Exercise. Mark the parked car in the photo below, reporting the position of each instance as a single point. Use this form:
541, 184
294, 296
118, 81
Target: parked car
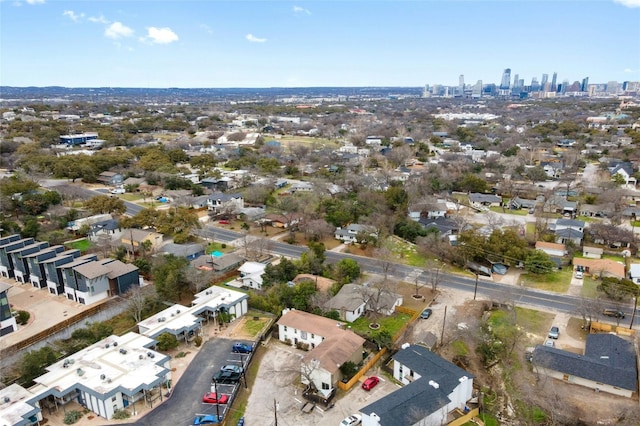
241, 422
352, 420
426, 313
242, 348
579, 275
223, 222
233, 368
554, 332
549, 342
370, 383
613, 313
226, 377
210, 419
213, 398
118, 191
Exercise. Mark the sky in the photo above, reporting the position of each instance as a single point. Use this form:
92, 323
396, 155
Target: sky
341, 43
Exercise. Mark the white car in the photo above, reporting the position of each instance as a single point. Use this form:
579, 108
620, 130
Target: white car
352, 420
118, 191
579, 275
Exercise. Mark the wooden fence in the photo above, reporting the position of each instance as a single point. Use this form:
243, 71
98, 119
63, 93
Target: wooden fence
414, 316
362, 371
598, 327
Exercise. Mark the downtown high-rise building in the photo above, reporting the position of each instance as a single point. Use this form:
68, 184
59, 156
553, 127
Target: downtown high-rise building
516, 81
543, 82
554, 82
505, 83
585, 84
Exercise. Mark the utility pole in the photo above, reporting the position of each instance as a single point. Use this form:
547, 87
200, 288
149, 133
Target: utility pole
635, 308
215, 390
275, 411
444, 320
475, 289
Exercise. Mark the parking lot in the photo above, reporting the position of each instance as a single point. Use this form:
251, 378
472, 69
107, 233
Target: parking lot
186, 399
277, 387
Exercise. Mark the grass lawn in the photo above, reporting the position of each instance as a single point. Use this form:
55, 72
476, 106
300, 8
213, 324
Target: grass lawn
82, 245
405, 252
130, 196
557, 281
254, 326
520, 212
218, 247
392, 324
635, 223
533, 321
589, 287
288, 140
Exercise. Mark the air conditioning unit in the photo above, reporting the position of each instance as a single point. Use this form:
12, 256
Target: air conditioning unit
141, 356
123, 351
80, 372
102, 377
177, 311
107, 346
115, 344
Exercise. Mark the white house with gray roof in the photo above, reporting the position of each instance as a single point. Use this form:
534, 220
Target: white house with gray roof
433, 388
608, 364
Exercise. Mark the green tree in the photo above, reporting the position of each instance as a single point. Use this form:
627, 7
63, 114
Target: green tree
409, 230
539, 262
302, 295
536, 174
471, 183
346, 271
396, 198
167, 341
33, 364
169, 277
283, 272
105, 204
31, 228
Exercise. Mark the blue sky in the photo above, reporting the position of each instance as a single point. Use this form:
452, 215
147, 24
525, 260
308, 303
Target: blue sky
241, 43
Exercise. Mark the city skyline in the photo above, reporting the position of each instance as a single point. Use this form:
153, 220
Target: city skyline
314, 44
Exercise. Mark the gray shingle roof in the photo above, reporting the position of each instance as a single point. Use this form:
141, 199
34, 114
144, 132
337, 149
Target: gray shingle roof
608, 359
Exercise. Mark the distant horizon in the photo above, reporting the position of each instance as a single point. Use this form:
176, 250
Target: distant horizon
352, 43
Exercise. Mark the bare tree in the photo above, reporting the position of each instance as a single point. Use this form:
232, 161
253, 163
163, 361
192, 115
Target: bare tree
136, 302
198, 279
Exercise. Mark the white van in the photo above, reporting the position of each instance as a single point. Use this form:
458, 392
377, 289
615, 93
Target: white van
118, 191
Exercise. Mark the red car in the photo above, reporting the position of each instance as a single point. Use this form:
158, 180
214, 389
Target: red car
212, 398
370, 383
223, 222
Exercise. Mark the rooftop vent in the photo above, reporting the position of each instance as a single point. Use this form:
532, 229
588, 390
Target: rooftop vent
80, 372
107, 346
177, 311
102, 377
123, 351
7, 399
115, 344
463, 379
434, 384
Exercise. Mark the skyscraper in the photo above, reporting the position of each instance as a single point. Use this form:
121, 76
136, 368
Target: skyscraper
506, 79
461, 81
554, 82
543, 83
585, 84
516, 81
476, 91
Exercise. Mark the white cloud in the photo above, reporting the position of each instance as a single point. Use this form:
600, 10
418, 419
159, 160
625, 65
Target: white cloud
118, 30
301, 10
161, 35
72, 15
207, 29
628, 3
35, 1
254, 39
98, 19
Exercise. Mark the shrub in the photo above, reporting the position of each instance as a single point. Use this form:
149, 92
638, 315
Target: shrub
302, 346
70, 417
23, 317
167, 341
197, 341
224, 246
120, 414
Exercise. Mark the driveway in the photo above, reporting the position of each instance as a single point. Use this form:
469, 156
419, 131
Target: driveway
186, 399
278, 387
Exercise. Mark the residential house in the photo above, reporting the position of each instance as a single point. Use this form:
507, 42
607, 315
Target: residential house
122, 276
226, 262
443, 225
428, 210
225, 203
595, 210
104, 229
188, 251
592, 252
354, 300
251, 274
132, 239
568, 230
479, 200
330, 346
517, 203
433, 388
301, 187
559, 204
52, 274
79, 223
607, 365
351, 233
110, 178
7, 320
19, 259
109, 375
600, 267
90, 283
634, 273
6, 261
552, 249
283, 221
624, 169
36, 267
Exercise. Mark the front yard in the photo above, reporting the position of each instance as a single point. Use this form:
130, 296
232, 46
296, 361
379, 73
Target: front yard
558, 281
